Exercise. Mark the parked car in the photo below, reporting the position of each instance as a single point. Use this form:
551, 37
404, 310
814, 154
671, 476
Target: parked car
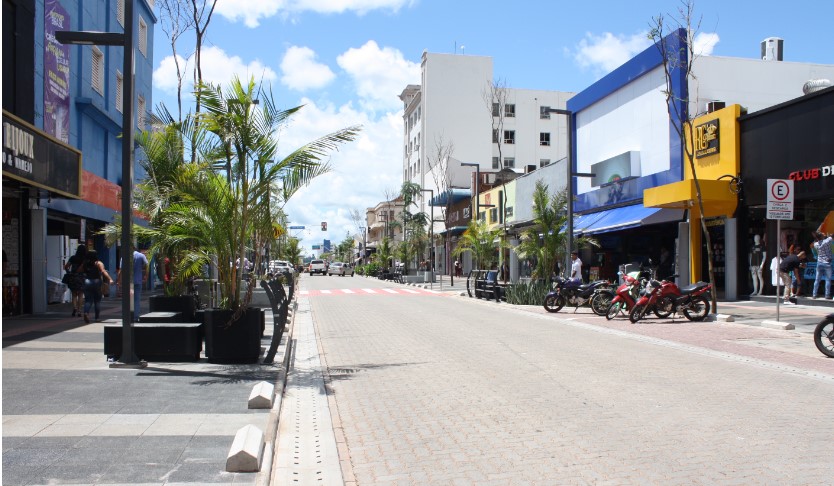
339, 268
318, 266
280, 266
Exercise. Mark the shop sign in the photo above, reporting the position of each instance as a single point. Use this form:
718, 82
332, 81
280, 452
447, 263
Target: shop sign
706, 139
33, 157
780, 199
56, 67
812, 174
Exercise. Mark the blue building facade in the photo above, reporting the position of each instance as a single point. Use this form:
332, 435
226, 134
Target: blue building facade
66, 98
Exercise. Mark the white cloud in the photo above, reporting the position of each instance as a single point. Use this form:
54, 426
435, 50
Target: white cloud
705, 43
252, 11
300, 71
217, 67
606, 52
380, 74
361, 170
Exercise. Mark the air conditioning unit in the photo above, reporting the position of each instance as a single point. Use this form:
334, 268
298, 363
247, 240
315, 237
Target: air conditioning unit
529, 168
772, 49
715, 106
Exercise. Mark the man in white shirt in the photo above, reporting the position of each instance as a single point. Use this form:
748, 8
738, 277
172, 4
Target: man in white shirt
575, 266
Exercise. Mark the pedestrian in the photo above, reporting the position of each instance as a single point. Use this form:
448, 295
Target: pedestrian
140, 277
789, 267
94, 276
75, 278
822, 247
575, 266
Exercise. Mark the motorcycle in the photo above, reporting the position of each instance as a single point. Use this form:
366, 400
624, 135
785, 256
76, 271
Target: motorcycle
824, 336
597, 295
666, 298
625, 296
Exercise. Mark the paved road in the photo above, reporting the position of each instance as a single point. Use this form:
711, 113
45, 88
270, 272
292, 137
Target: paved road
428, 388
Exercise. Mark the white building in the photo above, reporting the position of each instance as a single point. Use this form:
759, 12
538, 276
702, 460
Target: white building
453, 110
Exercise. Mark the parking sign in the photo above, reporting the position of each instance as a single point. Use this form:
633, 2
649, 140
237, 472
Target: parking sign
780, 199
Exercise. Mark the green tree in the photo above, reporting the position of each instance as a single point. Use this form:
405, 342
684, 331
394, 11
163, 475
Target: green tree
546, 240
482, 242
293, 251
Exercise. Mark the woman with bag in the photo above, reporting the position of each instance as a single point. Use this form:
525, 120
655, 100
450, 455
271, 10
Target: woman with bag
95, 275
74, 278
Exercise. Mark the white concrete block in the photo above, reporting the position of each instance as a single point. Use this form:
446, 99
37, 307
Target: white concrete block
247, 450
261, 396
786, 326
724, 318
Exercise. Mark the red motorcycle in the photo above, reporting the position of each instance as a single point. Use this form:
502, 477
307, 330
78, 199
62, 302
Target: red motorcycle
666, 298
624, 298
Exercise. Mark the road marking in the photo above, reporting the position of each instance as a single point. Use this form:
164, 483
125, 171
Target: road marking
391, 291
326, 291
304, 292
411, 291
370, 291
347, 291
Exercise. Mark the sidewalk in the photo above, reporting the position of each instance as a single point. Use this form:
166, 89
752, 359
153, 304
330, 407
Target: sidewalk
70, 418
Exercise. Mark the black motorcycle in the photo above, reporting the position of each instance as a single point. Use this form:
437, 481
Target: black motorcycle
824, 336
597, 295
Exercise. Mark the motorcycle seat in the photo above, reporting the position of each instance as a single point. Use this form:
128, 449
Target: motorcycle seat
693, 288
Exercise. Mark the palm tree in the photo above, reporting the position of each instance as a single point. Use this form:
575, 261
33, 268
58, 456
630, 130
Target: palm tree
546, 240
293, 250
482, 242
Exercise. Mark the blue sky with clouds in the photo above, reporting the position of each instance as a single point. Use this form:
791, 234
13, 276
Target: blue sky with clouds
348, 60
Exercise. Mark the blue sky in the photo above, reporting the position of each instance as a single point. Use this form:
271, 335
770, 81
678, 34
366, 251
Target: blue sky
348, 60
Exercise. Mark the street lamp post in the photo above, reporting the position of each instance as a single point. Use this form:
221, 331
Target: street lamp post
431, 238
477, 187
128, 357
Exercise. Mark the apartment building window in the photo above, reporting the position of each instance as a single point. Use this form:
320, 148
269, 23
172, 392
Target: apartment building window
509, 162
143, 37
544, 139
119, 91
509, 136
493, 215
544, 115
495, 136
140, 113
496, 163
120, 12
97, 78
495, 110
509, 110
544, 162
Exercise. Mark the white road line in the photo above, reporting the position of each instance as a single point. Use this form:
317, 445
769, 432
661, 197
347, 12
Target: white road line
370, 291
327, 291
391, 291
348, 291
410, 291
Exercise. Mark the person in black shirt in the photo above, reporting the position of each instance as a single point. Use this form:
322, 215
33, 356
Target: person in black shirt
790, 265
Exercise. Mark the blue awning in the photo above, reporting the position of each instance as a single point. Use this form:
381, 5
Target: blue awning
456, 195
630, 217
455, 230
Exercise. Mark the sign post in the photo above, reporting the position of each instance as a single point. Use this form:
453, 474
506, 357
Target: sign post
779, 207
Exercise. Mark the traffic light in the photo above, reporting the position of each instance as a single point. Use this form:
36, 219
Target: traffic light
324, 225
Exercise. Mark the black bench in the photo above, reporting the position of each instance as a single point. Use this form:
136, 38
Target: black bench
486, 285
280, 303
158, 341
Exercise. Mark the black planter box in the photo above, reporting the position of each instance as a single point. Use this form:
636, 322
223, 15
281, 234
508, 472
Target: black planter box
239, 342
172, 341
179, 303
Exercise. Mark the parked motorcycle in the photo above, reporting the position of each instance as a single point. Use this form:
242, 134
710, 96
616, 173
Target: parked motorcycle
666, 298
824, 336
625, 296
597, 295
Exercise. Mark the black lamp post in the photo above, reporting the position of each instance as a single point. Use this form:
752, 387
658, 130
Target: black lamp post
128, 357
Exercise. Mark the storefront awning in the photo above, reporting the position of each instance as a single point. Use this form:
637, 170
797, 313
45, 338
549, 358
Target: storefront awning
630, 217
449, 197
718, 199
455, 230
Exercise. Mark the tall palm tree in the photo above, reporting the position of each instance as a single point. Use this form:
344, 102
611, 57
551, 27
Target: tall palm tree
482, 242
546, 240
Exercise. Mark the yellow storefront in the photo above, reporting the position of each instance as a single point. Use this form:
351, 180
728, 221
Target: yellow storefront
716, 157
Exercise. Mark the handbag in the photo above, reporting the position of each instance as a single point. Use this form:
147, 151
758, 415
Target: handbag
105, 289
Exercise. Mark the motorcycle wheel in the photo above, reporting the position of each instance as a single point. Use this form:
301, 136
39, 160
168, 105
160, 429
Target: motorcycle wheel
698, 309
824, 337
663, 308
600, 302
554, 303
613, 310
637, 313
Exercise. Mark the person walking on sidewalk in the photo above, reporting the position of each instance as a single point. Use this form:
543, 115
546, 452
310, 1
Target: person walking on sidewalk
75, 280
94, 273
140, 276
790, 266
822, 246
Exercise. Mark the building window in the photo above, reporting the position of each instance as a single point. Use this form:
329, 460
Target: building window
97, 78
493, 215
120, 12
509, 111
509, 162
544, 162
119, 91
140, 113
495, 136
544, 139
496, 163
143, 37
544, 115
509, 136
482, 216
495, 109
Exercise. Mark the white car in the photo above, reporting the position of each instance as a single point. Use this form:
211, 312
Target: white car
318, 266
339, 268
280, 266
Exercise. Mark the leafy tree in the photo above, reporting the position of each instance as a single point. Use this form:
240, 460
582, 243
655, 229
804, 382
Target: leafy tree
482, 242
293, 251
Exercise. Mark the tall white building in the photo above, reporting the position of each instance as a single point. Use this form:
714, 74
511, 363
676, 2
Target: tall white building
453, 109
